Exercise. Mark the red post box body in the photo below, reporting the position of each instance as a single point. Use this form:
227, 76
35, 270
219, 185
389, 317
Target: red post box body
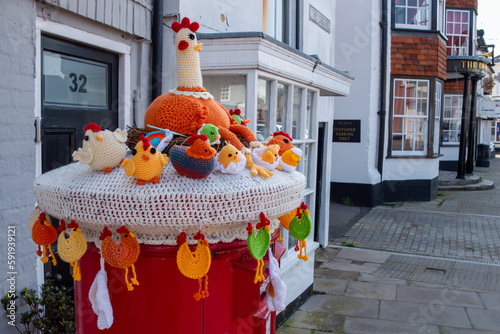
164, 303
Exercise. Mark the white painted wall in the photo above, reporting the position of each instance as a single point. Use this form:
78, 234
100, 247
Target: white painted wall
410, 169
449, 153
358, 52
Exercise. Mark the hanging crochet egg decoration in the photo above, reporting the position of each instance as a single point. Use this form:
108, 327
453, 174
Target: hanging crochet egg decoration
195, 265
71, 249
259, 243
44, 235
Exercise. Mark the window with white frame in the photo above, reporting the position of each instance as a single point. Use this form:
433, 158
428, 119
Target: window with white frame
225, 94
441, 16
413, 14
410, 117
457, 31
437, 116
280, 21
235, 85
452, 119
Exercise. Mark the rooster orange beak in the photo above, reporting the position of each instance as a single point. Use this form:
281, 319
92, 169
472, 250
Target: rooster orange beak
145, 157
198, 47
99, 138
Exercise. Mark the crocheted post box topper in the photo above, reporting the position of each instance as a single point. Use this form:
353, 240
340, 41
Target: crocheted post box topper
71, 249
258, 244
44, 234
195, 265
102, 149
300, 228
122, 255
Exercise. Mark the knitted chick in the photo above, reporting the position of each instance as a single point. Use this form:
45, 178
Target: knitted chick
196, 161
122, 255
212, 133
195, 264
146, 163
267, 157
290, 159
236, 115
229, 160
102, 149
44, 234
71, 249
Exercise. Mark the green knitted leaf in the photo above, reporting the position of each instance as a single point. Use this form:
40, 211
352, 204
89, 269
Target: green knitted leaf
258, 245
300, 228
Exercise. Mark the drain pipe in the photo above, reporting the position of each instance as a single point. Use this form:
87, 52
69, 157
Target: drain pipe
157, 41
383, 86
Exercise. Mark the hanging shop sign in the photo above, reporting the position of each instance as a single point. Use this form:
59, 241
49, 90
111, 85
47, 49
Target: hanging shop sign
477, 66
347, 131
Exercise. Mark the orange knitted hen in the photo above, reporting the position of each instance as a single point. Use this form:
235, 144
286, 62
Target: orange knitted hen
186, 108
44, 234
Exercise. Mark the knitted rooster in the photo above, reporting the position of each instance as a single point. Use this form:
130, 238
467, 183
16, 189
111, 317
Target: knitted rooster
102, 149
195, 264
196, 161
122, 255
258, 244
187, 108
71, 249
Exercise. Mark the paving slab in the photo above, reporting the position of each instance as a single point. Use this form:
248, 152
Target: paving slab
371, 290
376, 326
326, 254
363, 255
321, 321
336, 274
484, 319
291, 330
443, 296
329, 286
490, 300
354, 306
451, 330
429, 314
349, 265
364, 277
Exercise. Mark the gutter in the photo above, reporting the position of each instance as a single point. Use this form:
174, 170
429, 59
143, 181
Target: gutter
157, 49
384, 24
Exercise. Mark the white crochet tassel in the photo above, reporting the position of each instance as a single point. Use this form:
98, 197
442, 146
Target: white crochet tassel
276, 303
99, 298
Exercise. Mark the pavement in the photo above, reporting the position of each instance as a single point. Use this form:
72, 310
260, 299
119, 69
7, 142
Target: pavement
413, 267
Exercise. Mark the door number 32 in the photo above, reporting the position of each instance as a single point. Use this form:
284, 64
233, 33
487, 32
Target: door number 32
74, 84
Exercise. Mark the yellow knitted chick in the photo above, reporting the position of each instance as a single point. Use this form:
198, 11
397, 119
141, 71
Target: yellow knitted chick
229, 160
146, 163
266, 157
102, 149
290, 159
71, 249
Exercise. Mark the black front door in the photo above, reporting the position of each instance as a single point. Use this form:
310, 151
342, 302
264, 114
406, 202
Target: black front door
79, 86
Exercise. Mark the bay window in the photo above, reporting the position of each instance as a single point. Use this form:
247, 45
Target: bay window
458, 32
413, 14
452, 119
437, 116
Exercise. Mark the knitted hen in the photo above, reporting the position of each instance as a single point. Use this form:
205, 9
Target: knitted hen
196, 161
187, 108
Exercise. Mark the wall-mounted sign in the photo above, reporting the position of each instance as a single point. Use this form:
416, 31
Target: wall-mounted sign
477, 66
347, 131
321, 20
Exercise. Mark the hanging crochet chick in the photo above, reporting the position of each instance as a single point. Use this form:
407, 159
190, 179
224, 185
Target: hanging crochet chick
102, 149
229, 160
212, 133
300, 227
146, 163
258, 244
195, 265
122, 255
44, 234
266, 157
71, 249
236, 115
196, 161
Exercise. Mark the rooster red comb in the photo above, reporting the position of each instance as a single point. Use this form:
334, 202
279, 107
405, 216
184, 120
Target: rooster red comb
281, 133
105, 233
185, 23
62, 226
41, 217
235, 112
92, 126
123, 230
193, 138
199, 236
263, 221
73, 224
145, 142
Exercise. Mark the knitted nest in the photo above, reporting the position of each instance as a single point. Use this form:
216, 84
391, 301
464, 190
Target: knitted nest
133, 134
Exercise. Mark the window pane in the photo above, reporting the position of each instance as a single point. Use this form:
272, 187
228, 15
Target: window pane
419, 143
282, 108
263, 96
297, 101
396, 143
229, 90
309, 106
452, 113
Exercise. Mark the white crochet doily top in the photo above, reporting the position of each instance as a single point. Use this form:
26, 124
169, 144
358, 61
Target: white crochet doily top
197, 95
223, 204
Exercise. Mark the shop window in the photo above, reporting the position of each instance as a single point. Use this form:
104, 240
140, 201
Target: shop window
413, 14
282, 107
297, 100
437, 116
280, 21
410, 117
230, 91
452, 119
263, 101
457, 31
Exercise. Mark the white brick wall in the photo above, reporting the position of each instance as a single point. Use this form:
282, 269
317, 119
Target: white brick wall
17, 148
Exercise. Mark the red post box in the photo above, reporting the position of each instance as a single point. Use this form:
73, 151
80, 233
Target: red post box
164, 303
